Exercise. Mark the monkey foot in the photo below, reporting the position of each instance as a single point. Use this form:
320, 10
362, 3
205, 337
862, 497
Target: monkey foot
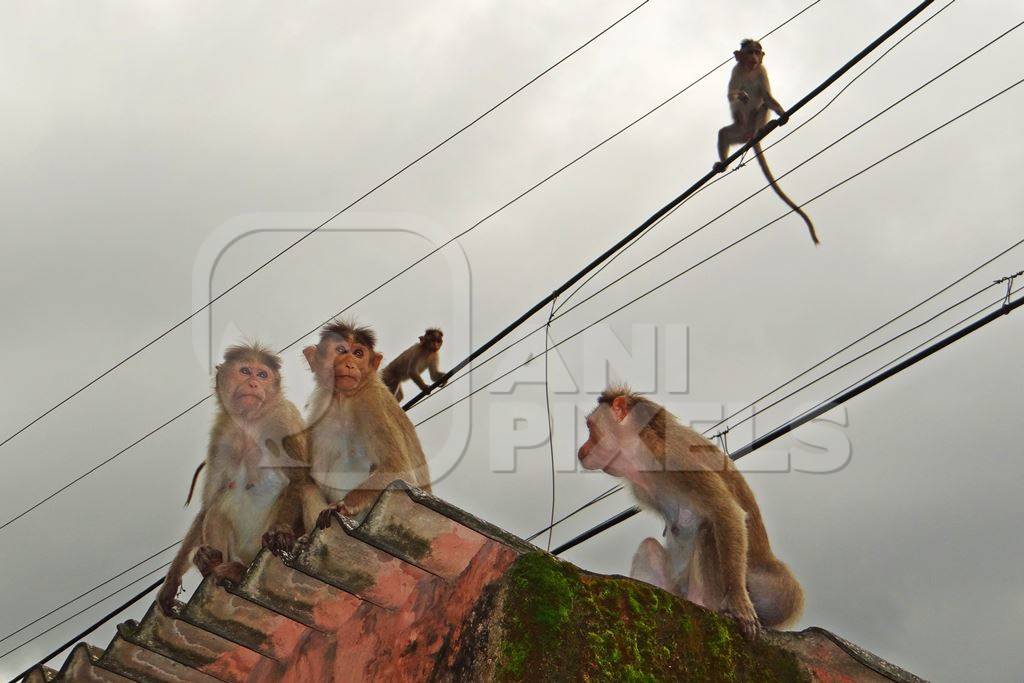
324, 520
229, 573
718, 167
207, 558
166, 597
279, 541
750, 625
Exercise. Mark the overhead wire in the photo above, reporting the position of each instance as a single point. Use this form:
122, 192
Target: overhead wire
737, 242
452, 381
389, 280
741, 163
306, 235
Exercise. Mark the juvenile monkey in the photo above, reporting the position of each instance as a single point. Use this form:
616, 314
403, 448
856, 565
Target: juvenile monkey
255, 463
360, 438
750, 98
410, 364
718, 554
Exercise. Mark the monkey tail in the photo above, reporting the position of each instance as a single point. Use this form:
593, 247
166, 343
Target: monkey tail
778, 190
195, 477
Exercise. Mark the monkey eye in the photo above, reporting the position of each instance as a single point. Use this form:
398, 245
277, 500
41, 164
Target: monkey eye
262, 374
358, 353
245, 370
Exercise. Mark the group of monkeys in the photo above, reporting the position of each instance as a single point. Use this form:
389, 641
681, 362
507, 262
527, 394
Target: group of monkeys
271, 476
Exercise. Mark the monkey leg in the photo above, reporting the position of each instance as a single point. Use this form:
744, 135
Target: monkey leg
651, 564
398, 393
777, 596
733, 134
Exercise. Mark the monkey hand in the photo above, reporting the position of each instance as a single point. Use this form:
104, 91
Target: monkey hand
742, 610
718, 167
782, 119
279, 540
229, 573
742, 97
166, 597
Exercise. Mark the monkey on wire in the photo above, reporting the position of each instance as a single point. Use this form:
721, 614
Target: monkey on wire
360, 438
717, 553
255, 462
750, 98
410, 364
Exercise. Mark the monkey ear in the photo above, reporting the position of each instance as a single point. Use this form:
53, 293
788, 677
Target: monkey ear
620, 408
375, 359
422, 338
310, 353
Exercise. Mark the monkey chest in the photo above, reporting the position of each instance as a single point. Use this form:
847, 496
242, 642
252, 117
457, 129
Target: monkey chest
341, 462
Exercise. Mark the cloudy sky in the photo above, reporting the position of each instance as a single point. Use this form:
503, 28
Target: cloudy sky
154, 153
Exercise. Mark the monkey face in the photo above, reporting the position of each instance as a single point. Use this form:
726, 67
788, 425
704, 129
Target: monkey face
750, 54
343, 365
602, 447
245, 385
432, 340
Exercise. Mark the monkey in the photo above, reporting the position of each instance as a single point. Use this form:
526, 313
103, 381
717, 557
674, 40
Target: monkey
717, 554
411, 363
256, 461
360, 439
750, 98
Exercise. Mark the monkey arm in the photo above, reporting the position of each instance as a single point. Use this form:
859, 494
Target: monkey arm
415, 377
434, 367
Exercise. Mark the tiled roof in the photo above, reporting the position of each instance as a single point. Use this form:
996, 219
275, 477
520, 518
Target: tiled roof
387, 599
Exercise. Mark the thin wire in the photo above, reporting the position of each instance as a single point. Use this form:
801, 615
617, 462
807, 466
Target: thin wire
849, 133
406, 269
551, 425
96, 587
741, 163
85, 609
866, 353
318, 227
757, 412
870, 333
735, 243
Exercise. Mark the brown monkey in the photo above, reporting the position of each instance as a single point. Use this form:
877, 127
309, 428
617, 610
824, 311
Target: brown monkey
255, 463
718, 554
750, 98
360, 438
410, 364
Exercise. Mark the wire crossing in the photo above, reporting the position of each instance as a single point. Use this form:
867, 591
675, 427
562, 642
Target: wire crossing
301, 239
636, 232
406, 269
1004, 309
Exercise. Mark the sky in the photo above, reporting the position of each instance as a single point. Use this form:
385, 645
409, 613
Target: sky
155, 153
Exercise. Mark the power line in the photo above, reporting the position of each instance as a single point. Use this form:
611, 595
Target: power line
1005, 309
676, 243
632, 235
619, 487
82, 595
95, 626
735, 243
813, 116
288, 248
407, 268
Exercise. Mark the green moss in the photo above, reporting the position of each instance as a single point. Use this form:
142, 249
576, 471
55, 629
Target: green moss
560, 624
403, 540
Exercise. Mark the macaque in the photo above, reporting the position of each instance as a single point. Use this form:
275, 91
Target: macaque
411, 363
360, 439
255, 463
750, 98
717, 553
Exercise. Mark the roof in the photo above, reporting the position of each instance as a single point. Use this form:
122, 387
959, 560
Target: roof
420, 590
